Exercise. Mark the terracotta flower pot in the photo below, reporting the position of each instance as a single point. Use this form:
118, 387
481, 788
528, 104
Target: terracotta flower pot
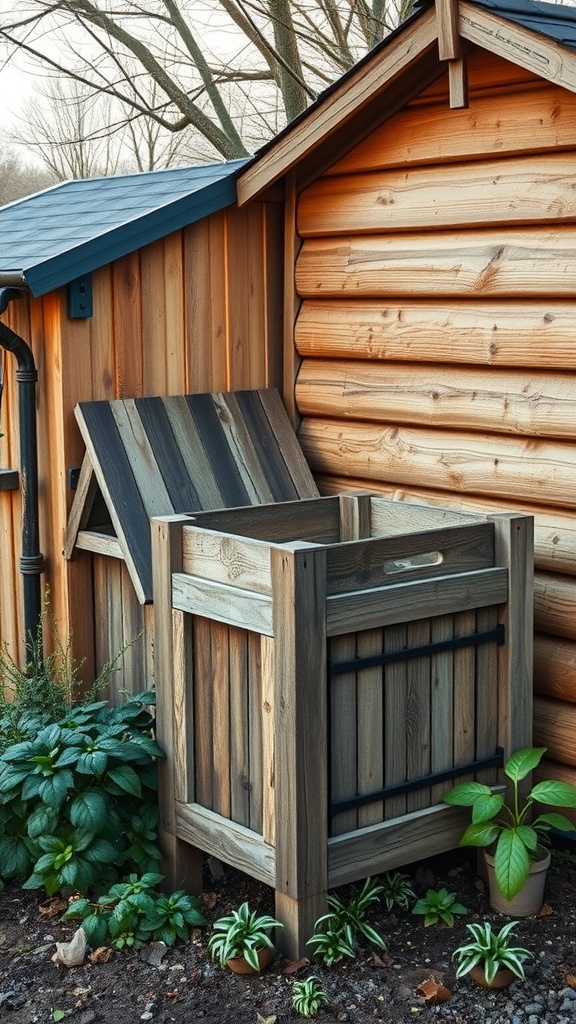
531, 896
502, 978
241, 966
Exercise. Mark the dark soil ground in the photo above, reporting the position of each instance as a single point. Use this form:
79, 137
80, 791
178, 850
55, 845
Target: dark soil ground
183, 985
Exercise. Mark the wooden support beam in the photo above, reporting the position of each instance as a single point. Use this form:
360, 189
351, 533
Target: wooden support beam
514, 548
300, 744
448, 36
182, 864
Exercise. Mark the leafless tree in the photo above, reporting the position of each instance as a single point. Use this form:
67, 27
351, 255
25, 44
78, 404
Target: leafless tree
78, 133
19, 177
228, 71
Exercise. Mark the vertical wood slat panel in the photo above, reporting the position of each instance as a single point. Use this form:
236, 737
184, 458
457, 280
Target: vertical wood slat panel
126, 297
154, 317
268, 758
486, 700
369, 726
395, 720
464, 690
418, 714
255, 700
343, 733
441, 703
239, 727
220, 692
173, 297
203, 700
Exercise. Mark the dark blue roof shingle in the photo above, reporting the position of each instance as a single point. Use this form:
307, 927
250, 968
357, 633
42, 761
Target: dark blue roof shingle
54, 236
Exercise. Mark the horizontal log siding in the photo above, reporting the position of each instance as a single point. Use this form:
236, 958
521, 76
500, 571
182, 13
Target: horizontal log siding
437, 331
199, 310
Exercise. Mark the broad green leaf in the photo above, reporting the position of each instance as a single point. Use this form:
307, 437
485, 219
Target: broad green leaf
93, 762
42, 820
14, 857
486, 807
466, 794
31, 786
558, 794
480, 834
522, 762
101, 851
89, 810
11, 777
18, 752
528, 836
559, 821
511, 863
96, 930
53, 790
126, 779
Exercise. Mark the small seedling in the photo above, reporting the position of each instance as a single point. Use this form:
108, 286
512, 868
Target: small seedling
396, 890
335, 933
438, 906
492, 951
308, 997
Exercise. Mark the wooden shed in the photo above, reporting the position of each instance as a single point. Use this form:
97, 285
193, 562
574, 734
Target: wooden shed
430, 278
125, 288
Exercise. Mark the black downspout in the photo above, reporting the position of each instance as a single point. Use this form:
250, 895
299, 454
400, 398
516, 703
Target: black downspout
31, 560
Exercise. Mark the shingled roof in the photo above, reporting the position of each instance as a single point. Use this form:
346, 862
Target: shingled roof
56, 235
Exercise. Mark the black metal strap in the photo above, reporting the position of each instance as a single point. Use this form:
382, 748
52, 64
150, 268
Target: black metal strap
399, 788
496, 635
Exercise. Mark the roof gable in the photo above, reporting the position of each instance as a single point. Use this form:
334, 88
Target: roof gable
540, 37
56, 235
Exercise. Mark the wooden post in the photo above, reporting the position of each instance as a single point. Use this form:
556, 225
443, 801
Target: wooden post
300, 743
514, 548
182, 865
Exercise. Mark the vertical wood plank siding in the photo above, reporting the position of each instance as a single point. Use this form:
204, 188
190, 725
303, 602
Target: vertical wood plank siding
199, 310
437, 334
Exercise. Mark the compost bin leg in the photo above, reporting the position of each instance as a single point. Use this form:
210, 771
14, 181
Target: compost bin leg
181, 865
298, 918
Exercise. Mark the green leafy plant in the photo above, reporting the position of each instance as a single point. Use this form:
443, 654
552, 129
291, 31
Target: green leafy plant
507, 825
397, 890
308, 996
335, 933
133, 912
48, 685
492, 951
78, 797
438, 905
242, 933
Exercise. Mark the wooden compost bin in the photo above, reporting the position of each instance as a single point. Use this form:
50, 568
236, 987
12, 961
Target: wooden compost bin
325, 668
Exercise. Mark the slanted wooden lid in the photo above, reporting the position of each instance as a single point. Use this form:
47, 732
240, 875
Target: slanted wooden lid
159, 456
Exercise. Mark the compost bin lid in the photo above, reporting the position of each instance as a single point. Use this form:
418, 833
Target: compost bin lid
159, 456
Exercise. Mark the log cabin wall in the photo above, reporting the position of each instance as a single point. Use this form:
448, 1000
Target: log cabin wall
199, 310
437, 331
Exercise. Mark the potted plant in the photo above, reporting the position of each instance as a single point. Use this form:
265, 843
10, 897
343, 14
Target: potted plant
490, 959
242, 941
516, 859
